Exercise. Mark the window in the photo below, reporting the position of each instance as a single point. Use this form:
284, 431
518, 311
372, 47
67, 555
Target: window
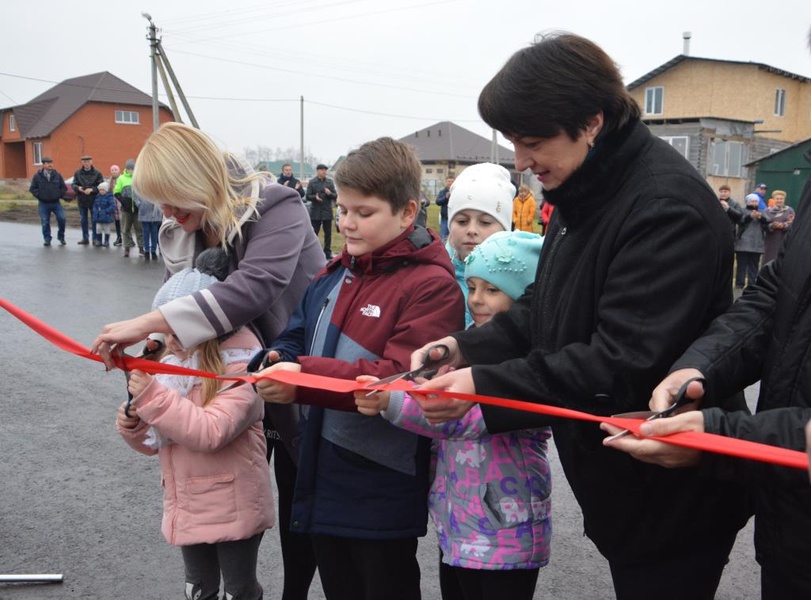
680, 143
429, 170
726, 158
779, 102
12, 123
654, 99
37, 146
130, 117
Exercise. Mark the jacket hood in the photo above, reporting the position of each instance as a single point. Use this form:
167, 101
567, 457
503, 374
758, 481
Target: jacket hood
415, 244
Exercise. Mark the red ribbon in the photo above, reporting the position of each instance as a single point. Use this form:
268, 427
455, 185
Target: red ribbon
689, 439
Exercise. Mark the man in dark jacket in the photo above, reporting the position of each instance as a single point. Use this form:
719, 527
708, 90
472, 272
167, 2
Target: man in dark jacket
442, 199
86, 182
287, 179
766, 336
48, 187
321, 193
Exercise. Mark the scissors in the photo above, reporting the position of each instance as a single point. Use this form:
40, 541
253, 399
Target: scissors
680, 400
152, 354
426, 370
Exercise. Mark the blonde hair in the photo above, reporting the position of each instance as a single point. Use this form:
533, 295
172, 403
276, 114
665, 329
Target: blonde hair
210, 360
778, 193
183, 167
523, 188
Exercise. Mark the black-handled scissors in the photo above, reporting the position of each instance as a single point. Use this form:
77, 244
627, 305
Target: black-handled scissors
426, 370
680, 400
152, 354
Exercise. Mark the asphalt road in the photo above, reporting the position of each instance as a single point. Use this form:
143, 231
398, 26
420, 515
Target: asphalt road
76, 500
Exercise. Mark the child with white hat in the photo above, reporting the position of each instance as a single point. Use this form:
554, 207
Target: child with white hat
490, 497
480, 205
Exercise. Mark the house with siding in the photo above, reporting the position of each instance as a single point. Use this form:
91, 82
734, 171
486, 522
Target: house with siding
723, 115
99, 114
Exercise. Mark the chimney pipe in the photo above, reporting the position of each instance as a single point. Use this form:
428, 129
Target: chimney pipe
686, 47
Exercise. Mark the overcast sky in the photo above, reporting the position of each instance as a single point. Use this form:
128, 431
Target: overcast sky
365, 68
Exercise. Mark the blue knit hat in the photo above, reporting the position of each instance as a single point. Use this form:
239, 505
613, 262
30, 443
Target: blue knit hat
507, 260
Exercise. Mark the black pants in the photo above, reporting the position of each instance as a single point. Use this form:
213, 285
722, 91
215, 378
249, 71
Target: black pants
327, 234
236, 561
298, 556
354, 569
695, 576
748, 266
458, 583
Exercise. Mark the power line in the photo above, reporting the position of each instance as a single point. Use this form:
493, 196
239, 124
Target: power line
342, 79
282, 100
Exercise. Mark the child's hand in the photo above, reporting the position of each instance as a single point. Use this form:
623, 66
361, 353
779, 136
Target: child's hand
125, 421
273, 391
138, 382
374, 404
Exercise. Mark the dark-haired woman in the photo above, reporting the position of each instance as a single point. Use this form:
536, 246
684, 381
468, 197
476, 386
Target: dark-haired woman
636, 263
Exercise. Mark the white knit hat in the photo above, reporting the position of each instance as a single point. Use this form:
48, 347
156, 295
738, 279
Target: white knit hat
210, 266
485, 187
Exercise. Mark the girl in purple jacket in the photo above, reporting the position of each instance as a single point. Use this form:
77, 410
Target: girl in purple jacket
217, 498
490, 497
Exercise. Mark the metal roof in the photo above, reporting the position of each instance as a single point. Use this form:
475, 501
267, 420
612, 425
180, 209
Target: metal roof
773, 154
446, 141
40, 116
682, 57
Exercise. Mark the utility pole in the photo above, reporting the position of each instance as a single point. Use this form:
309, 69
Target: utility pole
153, 51
301, 160
161, 62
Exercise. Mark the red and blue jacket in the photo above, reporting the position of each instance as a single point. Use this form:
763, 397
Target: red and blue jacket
360, 476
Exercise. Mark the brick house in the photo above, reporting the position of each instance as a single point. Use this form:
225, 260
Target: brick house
97, 114
722, 114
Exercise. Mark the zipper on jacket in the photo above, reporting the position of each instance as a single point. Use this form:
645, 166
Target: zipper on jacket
318, 325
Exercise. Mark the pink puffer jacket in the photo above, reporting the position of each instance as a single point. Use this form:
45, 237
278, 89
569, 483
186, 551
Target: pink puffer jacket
215, 477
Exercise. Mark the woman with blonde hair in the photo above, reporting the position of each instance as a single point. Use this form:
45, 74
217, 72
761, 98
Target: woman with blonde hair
213, 198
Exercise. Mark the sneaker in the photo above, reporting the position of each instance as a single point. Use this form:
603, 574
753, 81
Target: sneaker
117, 243
126, 252
141, 251
154, 256
83, 243
62, 241
46, 243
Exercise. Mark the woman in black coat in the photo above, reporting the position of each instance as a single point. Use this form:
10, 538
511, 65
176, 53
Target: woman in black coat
637, 261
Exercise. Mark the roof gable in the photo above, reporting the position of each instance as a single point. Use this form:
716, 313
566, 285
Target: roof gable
681, 58
50, 109
446, 141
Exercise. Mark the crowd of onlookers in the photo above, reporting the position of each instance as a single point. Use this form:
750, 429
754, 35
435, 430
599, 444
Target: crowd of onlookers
106, 205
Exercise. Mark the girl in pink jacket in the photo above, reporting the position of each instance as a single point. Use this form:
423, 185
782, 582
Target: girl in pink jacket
217, 498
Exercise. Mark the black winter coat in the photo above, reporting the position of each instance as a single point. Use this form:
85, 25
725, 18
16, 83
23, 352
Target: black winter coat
636, 263
87, 179
766, 335
45, 189
321, 210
